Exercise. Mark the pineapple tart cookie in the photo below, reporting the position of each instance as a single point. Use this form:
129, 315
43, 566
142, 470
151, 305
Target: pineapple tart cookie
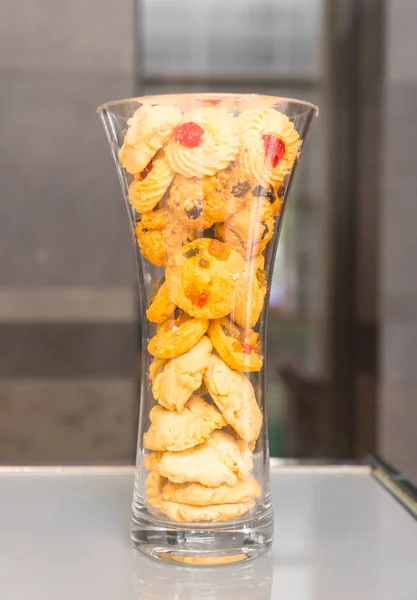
203, 278
270, 144
181, 377
148, 130
234, 395
203, 143
178, 334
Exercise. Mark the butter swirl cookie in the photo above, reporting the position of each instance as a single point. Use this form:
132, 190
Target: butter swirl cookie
270, 144
148, 130
149, 187
205, 142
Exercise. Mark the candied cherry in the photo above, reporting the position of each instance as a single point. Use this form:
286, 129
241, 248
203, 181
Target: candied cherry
188, 134
247, 348
274, 149
202, 299
147, 170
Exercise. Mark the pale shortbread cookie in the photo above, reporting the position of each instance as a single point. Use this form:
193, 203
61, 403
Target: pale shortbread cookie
182, 376
234, 395
185, 513
153, 487
156, 367
270, 144
148, 188
205, 560
201, 495
205, 142
173, 430
220, 459
148, 130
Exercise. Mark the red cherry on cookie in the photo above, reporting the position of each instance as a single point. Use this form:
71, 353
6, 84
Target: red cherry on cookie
147, 170
247, 348
188, 135
274, 149
202, 299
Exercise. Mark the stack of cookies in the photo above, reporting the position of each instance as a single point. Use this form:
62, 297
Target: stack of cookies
207, 186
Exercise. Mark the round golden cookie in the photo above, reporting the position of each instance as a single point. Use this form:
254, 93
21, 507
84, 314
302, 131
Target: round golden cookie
274, 195
160, 236
148, 130
203, 278
233, 394
185, 513
177, 335
186, 199
220, 459
250, 303
226, 192
249, 231
239, 348
175, 431
149, 187
201, 495
160, 307
181, 376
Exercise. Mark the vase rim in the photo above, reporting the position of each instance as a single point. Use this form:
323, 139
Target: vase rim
212, 95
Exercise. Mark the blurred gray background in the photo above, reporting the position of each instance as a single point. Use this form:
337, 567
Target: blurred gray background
342, 364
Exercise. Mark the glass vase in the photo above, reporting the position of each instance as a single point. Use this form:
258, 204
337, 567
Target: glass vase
205, 179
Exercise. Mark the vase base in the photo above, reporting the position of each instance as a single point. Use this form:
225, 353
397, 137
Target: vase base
202, 544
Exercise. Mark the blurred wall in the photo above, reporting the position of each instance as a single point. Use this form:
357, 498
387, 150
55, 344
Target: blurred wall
67, 342
398, 401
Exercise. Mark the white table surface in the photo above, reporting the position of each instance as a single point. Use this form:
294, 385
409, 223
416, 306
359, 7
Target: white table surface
64, 535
